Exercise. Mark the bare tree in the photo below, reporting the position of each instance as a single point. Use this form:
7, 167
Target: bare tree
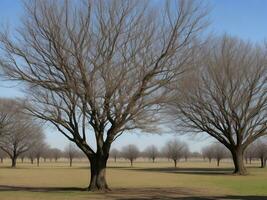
71, 152
228, 98
219, 152
250, 152
151, 152
130, 152
114, 153
100, 68
22, 135
174, 150
56, 154
207, 152
261, 151
38, 150
3, 155
186, 153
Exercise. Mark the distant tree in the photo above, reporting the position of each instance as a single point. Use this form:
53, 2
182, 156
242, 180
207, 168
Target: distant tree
250, 153
196, 154
207, 152
71, 152
39, 150
130, 152
151, 152
186, 153
114, 153
3, 155
261, 151
23, 133
174, 150
56, 154
219, 152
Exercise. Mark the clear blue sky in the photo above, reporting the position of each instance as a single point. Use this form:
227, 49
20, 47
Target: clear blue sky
243, 18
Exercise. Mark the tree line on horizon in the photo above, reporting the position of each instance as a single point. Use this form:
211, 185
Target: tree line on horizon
105, 68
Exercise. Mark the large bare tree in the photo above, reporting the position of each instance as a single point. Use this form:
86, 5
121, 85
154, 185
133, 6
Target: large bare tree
227, 97
99, 67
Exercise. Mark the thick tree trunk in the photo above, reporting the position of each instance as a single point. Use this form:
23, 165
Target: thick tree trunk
31, 160
131, 162
153, 159
2, 160
263, 163
218, 162
175, 163
98, 173
14, 162
238, 162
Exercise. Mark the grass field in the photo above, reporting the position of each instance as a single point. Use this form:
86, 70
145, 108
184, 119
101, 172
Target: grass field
146, 180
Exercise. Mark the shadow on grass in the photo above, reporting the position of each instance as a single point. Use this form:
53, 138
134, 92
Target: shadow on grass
135, 193
6, 188
197, 171
199, 198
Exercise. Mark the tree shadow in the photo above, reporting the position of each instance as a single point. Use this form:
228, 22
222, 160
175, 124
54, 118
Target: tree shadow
6, 188
196, 171
136, 193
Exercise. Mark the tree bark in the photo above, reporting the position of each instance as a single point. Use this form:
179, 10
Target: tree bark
70, 162
237, 155
38, 161
218, 162
14, 162
98, 173
175, 163
263, 163
2, 160
131, 162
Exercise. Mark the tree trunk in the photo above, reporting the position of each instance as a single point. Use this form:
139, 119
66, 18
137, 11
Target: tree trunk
98, 173
209, 160
175, 163
115, 159
70, 162
250, 160
22, 160
218, 162
263, 162
153, 159
38, 161
246, 160
237, 155
31, 160
131, 162
2, 160
14, 162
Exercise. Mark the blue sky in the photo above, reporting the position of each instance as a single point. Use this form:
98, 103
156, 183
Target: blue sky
246, 19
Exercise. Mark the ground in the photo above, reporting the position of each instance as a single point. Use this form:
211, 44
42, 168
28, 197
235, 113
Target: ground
146, 180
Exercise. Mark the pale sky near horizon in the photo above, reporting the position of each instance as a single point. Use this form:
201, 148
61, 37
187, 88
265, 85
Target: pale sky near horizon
246, 19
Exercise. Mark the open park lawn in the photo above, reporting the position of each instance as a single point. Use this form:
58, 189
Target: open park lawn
146, 180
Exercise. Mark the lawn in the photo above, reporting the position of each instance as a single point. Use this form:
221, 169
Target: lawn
146, 180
